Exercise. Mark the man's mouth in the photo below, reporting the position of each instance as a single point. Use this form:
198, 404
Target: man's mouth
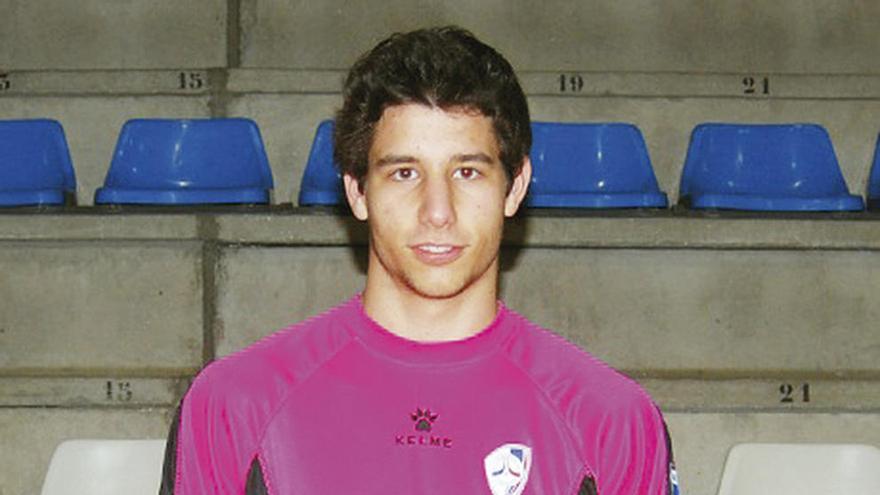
436, 249
437, 254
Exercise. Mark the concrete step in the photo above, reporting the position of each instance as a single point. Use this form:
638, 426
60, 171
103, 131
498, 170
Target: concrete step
98, 224
287, 226
538, 228
90, 297
107, 391
706, 312
99, 34
256, 298
778, 38
575, 82
569, 82
781, 37
89, 309
669, 312
795, 393
54, 82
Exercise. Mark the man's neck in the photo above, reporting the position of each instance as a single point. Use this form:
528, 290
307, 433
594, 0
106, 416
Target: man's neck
416, 317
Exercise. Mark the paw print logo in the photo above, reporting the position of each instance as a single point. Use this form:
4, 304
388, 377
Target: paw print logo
423, 419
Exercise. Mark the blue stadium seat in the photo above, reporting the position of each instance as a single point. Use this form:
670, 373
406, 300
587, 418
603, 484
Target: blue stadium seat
35, 167
874, 180
591, 166
766, 167
174, 162
321, 183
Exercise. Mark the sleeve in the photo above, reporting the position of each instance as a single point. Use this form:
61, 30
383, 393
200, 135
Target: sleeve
211, 446
635, 453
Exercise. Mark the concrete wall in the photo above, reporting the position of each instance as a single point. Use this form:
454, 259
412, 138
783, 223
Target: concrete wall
104, 34
690, 35
106, 315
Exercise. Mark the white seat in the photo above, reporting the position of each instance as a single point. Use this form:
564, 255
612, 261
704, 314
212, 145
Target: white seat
105, 467
801, 469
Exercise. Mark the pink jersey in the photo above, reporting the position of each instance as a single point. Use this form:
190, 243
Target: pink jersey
339, 405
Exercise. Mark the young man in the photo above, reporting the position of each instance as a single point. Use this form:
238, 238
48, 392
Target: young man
425, 383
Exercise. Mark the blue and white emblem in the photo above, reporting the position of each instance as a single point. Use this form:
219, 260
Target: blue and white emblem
507, 469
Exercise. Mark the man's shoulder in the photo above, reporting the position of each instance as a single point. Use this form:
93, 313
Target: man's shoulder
571, 376
279, 360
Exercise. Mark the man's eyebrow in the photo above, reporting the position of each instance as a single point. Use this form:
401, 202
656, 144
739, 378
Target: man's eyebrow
394, 160
473, 157
458, 158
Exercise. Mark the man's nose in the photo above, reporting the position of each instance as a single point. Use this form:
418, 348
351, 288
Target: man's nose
437, 208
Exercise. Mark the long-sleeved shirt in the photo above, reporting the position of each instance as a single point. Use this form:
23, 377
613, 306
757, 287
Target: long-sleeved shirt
338, 404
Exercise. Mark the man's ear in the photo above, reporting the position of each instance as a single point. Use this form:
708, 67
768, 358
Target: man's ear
518, 188
357, 200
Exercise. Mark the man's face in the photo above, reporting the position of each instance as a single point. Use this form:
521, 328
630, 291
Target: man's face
436, 196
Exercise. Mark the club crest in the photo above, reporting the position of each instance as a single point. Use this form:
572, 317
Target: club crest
507, 469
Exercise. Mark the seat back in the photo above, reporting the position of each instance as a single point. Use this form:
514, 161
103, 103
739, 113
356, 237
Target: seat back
874, 180
801, 469
105, 467
786, 167
35, 166
582, 165
162, 161
321, 183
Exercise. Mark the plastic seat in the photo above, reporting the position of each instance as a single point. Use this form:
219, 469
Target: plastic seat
200, 161
801, 469
591, 166
768, 167
874, 180
35, 167
321, 183
105, 467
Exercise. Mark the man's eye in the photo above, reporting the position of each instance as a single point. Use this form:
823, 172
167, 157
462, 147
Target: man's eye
403, 174
466, 173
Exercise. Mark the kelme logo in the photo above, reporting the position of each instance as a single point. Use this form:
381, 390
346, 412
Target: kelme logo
423, 424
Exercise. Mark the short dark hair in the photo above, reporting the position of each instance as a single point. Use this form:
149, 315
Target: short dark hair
443, 67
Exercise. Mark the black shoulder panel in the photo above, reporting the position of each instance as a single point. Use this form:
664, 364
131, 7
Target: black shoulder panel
588, 487
255, 483
169, 466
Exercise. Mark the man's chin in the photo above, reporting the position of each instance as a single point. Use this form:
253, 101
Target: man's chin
437, 290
